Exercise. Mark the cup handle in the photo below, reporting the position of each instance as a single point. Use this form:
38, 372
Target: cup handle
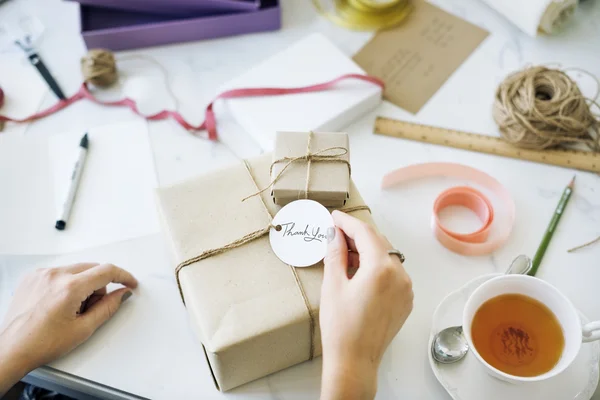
591, 332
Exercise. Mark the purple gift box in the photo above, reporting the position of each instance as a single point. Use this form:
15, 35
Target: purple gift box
121, 30
175, 7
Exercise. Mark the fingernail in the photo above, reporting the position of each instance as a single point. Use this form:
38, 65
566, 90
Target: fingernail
330, 234
126, 295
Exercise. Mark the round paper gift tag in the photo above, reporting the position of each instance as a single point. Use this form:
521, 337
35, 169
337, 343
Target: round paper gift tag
300, 236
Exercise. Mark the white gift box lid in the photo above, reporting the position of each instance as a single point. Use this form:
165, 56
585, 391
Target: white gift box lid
309, 61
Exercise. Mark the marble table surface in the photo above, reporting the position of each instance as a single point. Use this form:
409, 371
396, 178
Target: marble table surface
148, 349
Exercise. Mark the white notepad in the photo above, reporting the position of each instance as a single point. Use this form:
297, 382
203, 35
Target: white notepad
114, 202
310, 61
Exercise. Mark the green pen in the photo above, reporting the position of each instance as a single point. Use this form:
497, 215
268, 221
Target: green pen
539, 254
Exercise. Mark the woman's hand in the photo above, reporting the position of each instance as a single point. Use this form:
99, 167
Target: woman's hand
360, 315
53, 311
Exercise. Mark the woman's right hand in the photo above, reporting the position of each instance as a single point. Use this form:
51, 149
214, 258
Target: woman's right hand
360, 315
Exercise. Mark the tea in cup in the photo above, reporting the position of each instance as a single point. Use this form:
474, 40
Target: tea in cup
523, 329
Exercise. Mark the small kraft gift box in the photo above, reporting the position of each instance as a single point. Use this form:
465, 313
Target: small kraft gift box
311, 165
253, 314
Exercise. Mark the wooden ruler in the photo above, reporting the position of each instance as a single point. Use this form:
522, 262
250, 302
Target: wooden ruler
578, 159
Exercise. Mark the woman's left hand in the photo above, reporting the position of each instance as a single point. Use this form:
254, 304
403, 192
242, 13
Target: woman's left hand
47, 318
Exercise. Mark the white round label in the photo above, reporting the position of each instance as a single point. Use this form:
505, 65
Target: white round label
300, 239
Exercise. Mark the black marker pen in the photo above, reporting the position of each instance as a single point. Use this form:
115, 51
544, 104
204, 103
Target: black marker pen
61, 222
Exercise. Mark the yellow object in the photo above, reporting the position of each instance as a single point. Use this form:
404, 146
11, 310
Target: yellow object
366, 14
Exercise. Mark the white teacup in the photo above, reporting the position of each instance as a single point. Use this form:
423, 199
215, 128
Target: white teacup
548, 295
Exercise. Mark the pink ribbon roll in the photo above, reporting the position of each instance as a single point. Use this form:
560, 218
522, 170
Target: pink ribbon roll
473, 243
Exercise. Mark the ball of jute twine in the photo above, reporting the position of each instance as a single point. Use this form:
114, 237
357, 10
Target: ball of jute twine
540, 107
99, 67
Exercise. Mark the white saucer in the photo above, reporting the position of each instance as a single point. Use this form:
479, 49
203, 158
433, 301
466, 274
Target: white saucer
467, 379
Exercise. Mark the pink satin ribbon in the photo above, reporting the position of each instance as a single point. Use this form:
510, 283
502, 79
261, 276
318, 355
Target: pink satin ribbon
473, 243
209, 123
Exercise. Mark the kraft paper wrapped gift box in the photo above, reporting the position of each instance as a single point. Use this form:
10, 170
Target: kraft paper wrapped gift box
253, 314
326, 179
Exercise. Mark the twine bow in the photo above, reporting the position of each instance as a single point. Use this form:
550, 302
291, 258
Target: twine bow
320, 155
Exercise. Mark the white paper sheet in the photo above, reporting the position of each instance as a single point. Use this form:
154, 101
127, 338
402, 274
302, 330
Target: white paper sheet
115, 200
23, 87
26, 203
149, 334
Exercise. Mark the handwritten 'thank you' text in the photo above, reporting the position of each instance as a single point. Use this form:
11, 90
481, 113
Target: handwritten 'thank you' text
309, 233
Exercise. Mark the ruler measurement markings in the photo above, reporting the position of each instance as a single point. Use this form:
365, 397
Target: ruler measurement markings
486, 144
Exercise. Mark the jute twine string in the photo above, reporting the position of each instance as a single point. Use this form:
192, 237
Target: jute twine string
541, 107
591, 242
251, 237
99, 67
320, 155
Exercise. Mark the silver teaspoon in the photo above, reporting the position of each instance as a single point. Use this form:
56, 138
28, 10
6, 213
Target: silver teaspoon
449, 345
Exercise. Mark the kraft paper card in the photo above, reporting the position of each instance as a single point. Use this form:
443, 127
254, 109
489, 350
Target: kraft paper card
417, 57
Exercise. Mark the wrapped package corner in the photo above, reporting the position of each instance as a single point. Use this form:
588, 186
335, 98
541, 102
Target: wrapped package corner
253, 314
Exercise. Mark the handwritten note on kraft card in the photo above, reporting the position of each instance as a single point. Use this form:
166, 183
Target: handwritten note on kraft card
417, 57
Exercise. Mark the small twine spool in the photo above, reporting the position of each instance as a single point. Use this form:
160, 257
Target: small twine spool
99, 67
539, 107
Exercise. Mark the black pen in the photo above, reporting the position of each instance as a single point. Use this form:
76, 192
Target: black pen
34, 58
63, 218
